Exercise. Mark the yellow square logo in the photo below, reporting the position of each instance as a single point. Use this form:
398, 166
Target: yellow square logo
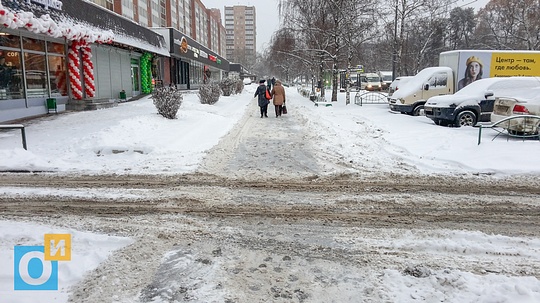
57, 247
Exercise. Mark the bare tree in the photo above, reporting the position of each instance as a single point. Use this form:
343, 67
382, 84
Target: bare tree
327, 32
323, 35
511, 24
461, 27
414, 16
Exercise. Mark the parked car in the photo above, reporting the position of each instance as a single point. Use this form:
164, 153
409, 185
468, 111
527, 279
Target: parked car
474, 103
398, 82
515, 106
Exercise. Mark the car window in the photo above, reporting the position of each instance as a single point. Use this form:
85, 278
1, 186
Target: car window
438, 80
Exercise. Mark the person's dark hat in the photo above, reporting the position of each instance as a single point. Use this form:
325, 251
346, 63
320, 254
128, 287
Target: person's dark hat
261, 81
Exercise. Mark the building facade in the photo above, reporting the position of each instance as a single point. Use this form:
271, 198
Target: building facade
190, 63
71, 52
241, 32
190, 17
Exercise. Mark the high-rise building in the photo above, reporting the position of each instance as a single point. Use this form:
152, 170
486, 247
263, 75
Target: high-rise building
241, 32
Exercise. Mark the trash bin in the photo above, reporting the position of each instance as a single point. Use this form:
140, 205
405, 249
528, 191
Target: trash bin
123, 95
51, 105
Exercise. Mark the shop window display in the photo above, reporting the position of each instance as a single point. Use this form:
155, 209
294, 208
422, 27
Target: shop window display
36, 75
10, 75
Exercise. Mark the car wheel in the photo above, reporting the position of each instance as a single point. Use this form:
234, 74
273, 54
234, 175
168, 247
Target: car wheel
417, 110
466, 118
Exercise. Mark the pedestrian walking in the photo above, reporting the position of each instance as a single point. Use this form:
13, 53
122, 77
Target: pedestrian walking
263, 101
278, 97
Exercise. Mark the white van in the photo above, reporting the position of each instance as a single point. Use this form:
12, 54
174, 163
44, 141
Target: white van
396, 84
386, 79
370, 81
429, 82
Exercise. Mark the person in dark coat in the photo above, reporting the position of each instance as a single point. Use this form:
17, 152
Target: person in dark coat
262, 101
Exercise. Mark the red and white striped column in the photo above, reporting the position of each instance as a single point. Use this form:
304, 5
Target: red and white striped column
74, 71
88, 70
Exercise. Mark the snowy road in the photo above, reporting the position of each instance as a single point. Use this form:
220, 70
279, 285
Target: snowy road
202, 238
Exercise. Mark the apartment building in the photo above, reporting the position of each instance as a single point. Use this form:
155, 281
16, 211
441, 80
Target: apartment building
189, 17
183, 23
241, 32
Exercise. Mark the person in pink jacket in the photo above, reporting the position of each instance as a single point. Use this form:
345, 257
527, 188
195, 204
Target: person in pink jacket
278, 96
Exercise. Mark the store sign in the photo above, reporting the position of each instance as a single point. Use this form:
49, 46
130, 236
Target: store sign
203, 54
218, 61
212, 58
184, 46
195, 52
54, 4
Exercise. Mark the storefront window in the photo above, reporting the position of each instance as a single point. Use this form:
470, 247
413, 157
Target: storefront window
57, 76
36, 75
9, 41
196, 74
56, 48
10, 75
33, 44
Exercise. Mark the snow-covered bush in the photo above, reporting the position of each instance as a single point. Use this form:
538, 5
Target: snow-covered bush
167, 100
239, 86
228, 86
209, 93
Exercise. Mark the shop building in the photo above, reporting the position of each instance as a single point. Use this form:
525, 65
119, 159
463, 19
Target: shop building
190, 64
237, 70
74, 53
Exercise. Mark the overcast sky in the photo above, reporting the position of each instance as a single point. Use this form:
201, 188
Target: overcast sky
268, 17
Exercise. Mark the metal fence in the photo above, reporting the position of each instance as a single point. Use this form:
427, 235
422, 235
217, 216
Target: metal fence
363, 97
518, 126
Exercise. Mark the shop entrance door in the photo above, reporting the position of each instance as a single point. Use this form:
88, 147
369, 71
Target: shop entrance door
135, 80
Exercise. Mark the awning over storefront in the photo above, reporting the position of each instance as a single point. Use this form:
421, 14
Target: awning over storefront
79, 20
